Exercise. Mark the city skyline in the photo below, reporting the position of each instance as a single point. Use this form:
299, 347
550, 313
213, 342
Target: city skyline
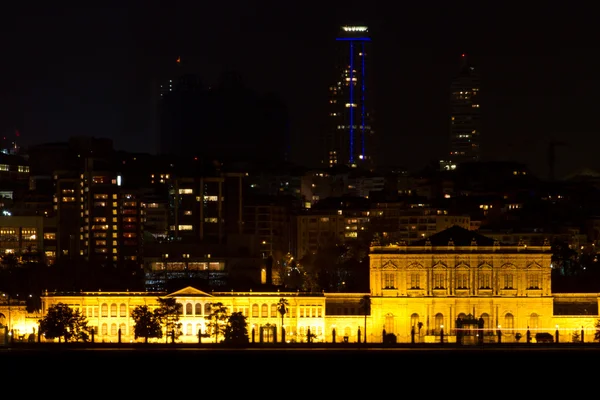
538, 73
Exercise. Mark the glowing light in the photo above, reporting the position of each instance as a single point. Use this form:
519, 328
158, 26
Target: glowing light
355, 28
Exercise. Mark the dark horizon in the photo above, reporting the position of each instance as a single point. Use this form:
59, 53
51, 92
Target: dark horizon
90, 71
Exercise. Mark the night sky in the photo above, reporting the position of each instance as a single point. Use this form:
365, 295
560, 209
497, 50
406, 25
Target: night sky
85, 70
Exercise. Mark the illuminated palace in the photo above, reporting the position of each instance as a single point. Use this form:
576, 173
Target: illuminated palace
349, 135
423, 287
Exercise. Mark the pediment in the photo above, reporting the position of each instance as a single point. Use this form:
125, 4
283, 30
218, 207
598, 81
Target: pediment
389, 265
189, 291
534, 264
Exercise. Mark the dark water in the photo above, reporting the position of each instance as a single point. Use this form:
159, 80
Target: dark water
311, 373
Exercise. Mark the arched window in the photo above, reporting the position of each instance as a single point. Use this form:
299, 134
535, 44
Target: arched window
487, 324
264, 311
123, 310
254, 310
198, 309
389, 323
113, 310
207, 309
105, 328
179, 308
188, 330
414, 321
113, 329
509, 323
123, 329
439, 323
534, 321
273, 310
188, 309
104, 310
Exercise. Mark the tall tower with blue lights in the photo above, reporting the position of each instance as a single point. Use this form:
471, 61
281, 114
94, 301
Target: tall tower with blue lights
349, 135
465, 117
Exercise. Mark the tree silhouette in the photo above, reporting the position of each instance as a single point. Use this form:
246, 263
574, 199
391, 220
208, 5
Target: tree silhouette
365, 306
236, 330
146, 323
168, 315
597, 333
217, 319
282, 308
61, 321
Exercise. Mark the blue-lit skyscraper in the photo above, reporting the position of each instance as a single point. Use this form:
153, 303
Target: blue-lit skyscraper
349, 135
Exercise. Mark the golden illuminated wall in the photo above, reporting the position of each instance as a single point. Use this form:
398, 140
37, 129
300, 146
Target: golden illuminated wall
17, 320
434, 285
508, 286
109, 312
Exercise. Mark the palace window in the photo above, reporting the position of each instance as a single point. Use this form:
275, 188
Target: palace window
438, 280
485, 280
415, 281
389, 280
462, 280
508, 281
533, 281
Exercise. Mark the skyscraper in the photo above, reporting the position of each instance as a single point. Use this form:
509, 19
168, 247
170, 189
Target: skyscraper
465, 116
225, 121
349, 135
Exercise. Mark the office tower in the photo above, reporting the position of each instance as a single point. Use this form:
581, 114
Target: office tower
349, 134
98, 218
465, 116
226, 121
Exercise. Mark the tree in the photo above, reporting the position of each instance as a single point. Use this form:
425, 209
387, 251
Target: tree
168, 315
217, 319
365, 306
61, 321
236, 330
597, 333
146, 323
282, 308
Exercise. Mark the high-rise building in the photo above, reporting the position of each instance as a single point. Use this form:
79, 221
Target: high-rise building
226, 121
465, 117
349, 134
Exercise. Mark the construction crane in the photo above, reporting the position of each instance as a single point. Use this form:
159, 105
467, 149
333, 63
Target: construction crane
552, 157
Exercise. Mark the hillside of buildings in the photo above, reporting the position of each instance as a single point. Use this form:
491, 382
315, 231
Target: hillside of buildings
81, 215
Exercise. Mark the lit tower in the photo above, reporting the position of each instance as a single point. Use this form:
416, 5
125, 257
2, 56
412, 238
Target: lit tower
465, 116
349, 136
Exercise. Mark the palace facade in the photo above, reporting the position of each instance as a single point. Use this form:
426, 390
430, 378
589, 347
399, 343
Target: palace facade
418, 293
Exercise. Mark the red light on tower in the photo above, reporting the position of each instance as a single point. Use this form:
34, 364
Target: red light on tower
463, 54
